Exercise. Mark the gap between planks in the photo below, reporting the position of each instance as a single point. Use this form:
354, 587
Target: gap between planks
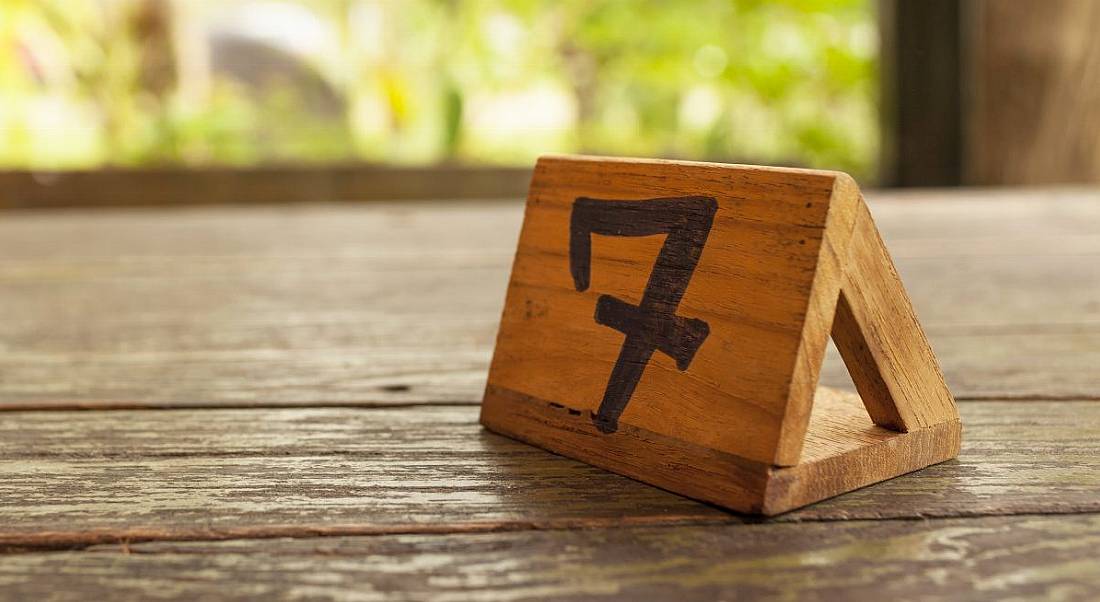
94, 405
278, 477
973, 559
60, 541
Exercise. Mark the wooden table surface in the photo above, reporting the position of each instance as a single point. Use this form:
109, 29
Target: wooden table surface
282, 401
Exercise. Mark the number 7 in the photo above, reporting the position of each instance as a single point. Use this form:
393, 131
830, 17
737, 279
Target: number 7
652, 324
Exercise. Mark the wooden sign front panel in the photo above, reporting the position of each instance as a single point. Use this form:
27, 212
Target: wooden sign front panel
663, 297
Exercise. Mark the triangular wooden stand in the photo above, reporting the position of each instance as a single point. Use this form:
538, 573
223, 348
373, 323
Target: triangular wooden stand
792, 257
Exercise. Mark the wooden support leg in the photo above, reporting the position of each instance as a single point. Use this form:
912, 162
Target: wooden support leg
883, 346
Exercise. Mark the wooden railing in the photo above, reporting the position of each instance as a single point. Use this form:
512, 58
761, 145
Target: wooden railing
268, 184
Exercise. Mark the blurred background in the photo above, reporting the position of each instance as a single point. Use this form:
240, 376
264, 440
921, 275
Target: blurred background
275, 100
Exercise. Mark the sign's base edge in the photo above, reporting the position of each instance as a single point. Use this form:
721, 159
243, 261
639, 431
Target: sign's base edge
843, 452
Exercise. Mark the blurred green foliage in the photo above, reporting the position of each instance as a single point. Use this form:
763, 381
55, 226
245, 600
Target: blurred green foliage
87, 83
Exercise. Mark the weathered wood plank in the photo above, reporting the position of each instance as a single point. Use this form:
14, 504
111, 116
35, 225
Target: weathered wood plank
914, 223
955, 223
977, 366
348, 305
342, 305
96, 476
992, 320
1004, 294
87, 477
250, 378
1057, 365
990, 558
315, 230
319, 306
146, 304
990, 221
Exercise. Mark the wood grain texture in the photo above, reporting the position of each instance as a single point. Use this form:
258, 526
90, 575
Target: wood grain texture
843, 450
978, 559
750, 291
175, 307
883, 345
967, 222
1025, 363
346, 306
747, 276
1001, 326
1014, 365
86, 477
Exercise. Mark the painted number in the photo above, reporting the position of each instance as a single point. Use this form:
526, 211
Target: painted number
653, 324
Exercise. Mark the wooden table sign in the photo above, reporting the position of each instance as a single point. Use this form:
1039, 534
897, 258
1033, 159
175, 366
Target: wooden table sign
667, 321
